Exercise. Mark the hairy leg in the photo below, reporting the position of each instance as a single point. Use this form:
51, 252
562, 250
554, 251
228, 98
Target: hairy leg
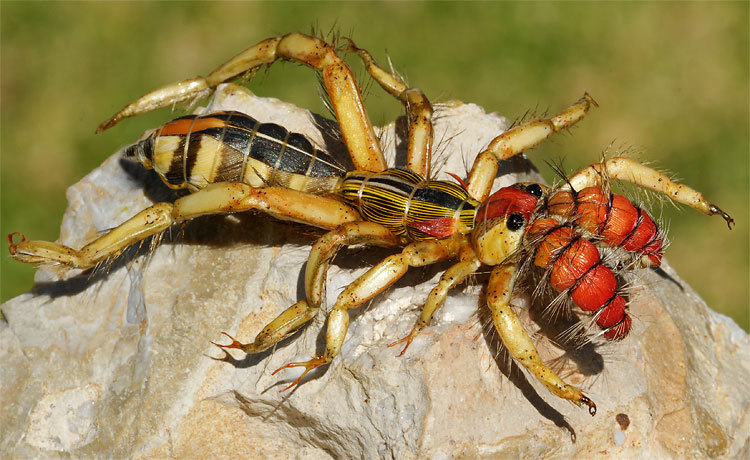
373, 282
338, 79
219, 198
519, 139
323, 251
626, 169
517, 340
418, 111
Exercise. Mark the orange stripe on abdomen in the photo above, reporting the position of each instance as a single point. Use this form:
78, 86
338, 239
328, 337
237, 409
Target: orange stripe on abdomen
183, 126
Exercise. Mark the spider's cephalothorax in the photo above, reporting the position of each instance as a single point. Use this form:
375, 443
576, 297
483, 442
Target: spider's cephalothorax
234, 163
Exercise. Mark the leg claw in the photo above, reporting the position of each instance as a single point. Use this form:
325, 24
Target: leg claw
308, 365
717, 210
234, 344
12, 246
408, 339
590, 403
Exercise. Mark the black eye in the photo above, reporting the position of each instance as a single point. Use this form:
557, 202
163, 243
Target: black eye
515, 221
535, 189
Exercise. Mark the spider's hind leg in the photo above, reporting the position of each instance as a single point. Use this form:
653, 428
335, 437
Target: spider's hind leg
372, 283
218, 198
322, 253
338, 79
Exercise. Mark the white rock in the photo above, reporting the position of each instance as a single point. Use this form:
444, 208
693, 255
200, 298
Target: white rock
120, 365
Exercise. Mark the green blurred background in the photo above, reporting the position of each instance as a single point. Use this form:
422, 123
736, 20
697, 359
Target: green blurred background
671, 78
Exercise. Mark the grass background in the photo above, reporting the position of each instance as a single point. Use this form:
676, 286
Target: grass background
671, 78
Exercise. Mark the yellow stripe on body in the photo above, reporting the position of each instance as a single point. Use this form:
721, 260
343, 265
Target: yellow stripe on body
207, 160
399, 199
165, 149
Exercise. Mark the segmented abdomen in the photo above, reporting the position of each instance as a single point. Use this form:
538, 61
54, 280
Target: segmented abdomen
409, 205
576, 265
612, 219
194, 151
569, 229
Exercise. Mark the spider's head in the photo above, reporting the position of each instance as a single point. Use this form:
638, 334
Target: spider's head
501, 220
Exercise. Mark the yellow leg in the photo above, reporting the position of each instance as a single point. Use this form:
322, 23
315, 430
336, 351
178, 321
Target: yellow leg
338, 79
324, 250
418, 111
629, 170
373, 282
450, 279
150, 221
519, 343
223, 197
284, 325
519, 139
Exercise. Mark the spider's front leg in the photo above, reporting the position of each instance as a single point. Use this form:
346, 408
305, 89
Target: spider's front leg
338, 79
626, 169
519, 139
418, 111
373, 282
517, 340
218, 198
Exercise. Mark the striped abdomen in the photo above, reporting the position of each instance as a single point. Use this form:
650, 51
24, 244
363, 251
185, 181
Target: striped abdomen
409, 205
194, 151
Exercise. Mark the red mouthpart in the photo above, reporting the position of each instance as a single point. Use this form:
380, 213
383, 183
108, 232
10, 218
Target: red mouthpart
507, 201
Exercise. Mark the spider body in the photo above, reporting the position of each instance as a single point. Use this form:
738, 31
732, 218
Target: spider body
194, 151
233, 163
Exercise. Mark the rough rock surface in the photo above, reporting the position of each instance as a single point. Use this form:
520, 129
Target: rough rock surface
118, 364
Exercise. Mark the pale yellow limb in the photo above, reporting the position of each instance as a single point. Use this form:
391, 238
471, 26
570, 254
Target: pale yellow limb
326, 248
338, 79
519, 139
418, 111
452, 277
150, 221
222, 197
627, 169
373, 282
274, 332
323, 251
518, 342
